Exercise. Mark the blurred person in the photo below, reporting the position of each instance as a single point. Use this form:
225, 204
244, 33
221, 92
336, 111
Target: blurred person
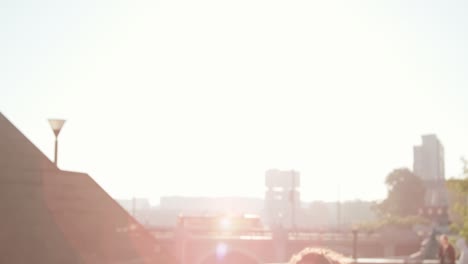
463, 249
317, 256
446, 251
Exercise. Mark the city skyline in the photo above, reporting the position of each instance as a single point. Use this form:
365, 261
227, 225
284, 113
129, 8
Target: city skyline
159, 100
155, 200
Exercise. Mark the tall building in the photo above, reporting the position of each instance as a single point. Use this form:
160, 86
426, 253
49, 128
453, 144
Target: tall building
428, 164
282, 197
429, 159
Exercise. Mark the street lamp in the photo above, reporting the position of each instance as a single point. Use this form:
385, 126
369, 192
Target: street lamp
56, 125
292, 199
355, 237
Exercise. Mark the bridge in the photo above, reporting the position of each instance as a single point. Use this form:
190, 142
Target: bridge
203, 246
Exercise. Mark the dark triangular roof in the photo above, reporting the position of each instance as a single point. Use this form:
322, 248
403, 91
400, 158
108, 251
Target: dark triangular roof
51, 216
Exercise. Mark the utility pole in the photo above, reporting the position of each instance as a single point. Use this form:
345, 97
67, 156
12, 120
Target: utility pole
293, 201
355, 237
338, 209
133, 206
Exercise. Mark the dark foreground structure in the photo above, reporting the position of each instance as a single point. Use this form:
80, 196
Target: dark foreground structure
51, 216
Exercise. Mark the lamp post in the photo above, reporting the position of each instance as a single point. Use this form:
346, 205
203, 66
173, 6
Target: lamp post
56, 125
338, 208
293, 201
355, 237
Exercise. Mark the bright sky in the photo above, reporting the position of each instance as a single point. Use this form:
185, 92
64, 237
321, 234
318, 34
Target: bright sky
184, 97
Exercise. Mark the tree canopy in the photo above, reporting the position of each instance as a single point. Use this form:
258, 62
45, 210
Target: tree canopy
458, 195
406, 194
392, 221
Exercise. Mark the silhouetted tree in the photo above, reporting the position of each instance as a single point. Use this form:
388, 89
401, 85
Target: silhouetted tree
458, 197
464, 162
406, 193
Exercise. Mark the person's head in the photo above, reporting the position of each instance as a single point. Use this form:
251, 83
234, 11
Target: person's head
444, 240
317, 256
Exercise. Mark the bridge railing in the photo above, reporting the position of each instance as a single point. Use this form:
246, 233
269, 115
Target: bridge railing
169, 233
331, 236
384, 261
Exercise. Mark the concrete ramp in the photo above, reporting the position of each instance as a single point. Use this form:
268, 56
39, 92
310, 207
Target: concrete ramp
51, 216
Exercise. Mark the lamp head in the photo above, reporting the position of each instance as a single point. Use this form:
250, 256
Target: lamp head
56, 125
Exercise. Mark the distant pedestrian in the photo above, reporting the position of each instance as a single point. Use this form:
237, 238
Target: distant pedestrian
446, 251
463, 249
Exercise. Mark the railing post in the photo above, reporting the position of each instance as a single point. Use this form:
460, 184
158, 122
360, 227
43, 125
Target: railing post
280, 238
181, 241
355, 233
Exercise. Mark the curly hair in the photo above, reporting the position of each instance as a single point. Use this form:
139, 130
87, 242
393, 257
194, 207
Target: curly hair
317, 256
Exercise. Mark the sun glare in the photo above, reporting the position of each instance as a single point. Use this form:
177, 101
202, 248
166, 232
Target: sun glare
221, 250
225, 223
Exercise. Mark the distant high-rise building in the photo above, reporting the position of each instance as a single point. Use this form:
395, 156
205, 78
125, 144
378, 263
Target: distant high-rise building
428, 164
282, 197
429, 159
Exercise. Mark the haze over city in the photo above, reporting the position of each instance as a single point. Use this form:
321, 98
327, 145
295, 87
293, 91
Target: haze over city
195, 97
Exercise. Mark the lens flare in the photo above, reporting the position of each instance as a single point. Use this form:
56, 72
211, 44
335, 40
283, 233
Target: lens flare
221, 250
225, 223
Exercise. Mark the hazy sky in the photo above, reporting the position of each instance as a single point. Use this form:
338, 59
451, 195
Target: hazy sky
201, 97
